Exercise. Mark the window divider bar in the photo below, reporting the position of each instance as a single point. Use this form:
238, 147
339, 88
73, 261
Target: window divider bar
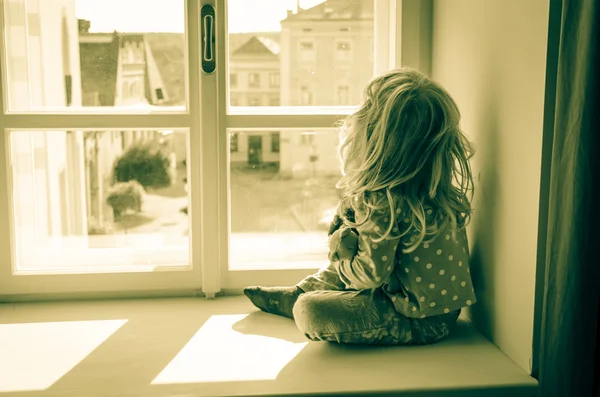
283, 121
93, 121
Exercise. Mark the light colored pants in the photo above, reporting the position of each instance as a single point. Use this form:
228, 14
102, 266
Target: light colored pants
328, 312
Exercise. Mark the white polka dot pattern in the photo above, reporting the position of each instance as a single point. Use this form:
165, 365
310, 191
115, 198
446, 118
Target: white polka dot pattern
432, 273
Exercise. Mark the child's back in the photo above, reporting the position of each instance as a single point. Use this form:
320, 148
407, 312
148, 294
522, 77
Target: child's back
399, 271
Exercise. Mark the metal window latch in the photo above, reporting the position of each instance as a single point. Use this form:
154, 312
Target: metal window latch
207, 31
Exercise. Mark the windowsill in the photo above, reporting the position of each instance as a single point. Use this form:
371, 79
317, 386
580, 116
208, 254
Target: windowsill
194, 346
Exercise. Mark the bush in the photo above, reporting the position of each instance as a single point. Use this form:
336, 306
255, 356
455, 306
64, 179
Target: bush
144, 163
125, 196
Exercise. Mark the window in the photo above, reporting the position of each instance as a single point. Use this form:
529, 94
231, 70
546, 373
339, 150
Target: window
275, 142
254, 80
234, 142
307, 138
274, 79
234, 101
306, 50
343, 51
343, 95
85, 236
306, 96
159, 94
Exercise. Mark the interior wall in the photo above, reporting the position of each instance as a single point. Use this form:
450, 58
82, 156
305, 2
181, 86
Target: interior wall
491, 56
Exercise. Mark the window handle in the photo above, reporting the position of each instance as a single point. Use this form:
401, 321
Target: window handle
208, 38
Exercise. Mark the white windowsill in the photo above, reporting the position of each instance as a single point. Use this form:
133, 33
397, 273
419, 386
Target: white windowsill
224, 347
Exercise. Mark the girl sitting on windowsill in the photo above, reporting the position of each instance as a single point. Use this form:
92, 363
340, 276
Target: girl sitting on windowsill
398, 249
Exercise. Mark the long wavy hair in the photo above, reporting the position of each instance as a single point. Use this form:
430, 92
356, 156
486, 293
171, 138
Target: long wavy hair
405, 141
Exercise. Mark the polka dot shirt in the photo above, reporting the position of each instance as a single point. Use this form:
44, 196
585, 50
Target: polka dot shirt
433, 279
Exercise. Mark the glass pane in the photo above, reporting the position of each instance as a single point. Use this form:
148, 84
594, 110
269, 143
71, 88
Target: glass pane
85, 200
81, 53
283, 195
299, 52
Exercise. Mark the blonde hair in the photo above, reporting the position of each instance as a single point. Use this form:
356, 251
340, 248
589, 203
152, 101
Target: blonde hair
405, 141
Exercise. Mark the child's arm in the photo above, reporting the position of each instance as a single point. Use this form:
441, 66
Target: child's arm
373, 262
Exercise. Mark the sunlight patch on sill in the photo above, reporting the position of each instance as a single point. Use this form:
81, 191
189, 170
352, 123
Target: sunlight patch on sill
33, 356
219, 353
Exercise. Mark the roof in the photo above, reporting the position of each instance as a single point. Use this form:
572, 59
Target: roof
335, 10
258, 45
236, 40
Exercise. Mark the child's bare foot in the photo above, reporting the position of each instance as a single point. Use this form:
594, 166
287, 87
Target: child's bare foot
275, 300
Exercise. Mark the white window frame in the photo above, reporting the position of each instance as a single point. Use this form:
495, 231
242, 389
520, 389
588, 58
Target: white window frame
209, 190
111, 280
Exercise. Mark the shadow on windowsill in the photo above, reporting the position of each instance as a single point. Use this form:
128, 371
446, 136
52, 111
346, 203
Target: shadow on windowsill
269, 325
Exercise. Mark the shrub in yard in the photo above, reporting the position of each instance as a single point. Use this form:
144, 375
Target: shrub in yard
144, 163
125, 196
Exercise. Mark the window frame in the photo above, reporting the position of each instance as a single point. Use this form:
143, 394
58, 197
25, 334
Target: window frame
208, 190
111, 280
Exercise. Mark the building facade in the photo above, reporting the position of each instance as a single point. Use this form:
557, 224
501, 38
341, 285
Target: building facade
47, 178
323, 56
